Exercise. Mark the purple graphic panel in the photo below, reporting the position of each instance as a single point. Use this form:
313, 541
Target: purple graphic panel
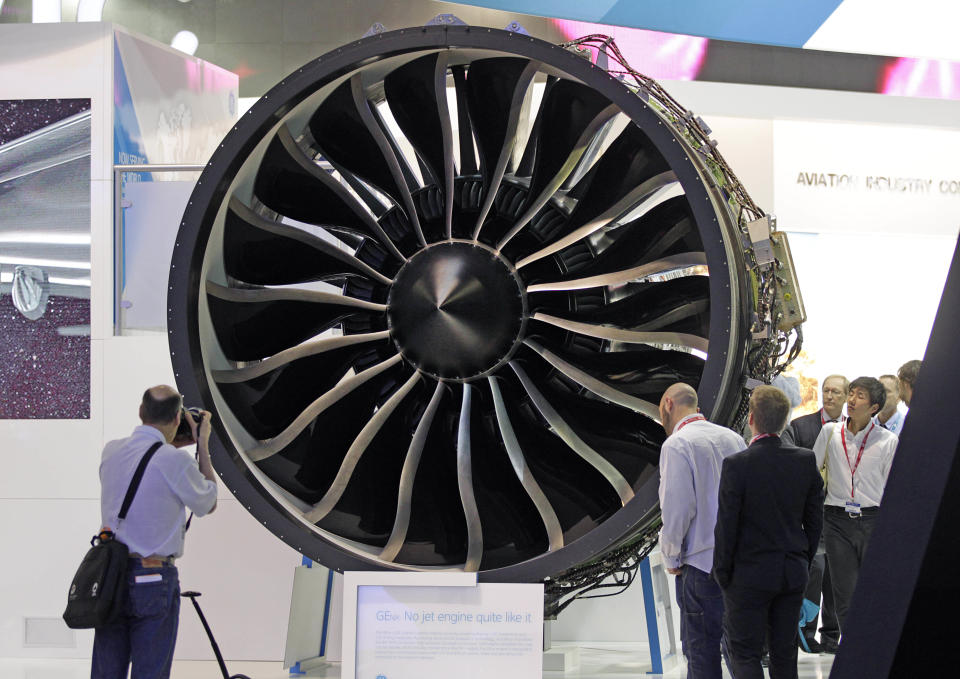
44, 371
45, 259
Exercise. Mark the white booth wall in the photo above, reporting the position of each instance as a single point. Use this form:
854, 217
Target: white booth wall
49, 493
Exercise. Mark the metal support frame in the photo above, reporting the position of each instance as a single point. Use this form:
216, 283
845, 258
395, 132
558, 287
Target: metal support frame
650, 613
297, 668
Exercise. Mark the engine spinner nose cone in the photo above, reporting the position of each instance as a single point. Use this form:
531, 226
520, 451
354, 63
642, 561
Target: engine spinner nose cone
456, 310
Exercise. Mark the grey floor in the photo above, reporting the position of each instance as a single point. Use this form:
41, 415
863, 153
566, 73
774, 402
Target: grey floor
597, 661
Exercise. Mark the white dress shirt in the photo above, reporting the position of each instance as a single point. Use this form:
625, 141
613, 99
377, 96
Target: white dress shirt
871, 475
155, 522
894, 424
690, 463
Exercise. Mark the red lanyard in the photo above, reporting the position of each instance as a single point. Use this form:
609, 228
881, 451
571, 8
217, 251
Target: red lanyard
824, 420
694, 418
760, 436
843, 440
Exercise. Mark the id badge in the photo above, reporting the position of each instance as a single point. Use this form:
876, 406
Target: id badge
853, 508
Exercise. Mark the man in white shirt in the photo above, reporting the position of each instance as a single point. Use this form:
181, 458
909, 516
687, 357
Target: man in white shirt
889, 417
690, 463
858, 454
153, 531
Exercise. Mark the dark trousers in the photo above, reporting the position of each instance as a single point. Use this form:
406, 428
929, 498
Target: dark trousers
846, 540
749, 616
147, 634
683, 627
820, 583
701, 606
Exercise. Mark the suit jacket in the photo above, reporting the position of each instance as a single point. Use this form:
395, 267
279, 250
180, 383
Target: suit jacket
769, 517
803, 431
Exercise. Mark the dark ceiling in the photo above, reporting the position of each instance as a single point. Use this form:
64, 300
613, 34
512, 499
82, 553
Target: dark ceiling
263, 41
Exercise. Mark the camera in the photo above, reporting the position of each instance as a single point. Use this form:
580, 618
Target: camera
184, 436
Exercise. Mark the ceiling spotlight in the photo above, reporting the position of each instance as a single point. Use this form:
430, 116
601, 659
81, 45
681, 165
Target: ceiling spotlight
90, 10
46, 11
185, 41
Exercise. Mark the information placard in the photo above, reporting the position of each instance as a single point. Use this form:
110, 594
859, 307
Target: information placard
416, 625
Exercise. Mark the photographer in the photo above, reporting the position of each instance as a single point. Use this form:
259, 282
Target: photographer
153, 530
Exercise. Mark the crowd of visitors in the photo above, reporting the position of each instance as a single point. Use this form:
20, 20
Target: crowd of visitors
767, 538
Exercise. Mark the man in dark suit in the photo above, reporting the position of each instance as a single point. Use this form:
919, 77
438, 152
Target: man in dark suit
803, 432
769, 519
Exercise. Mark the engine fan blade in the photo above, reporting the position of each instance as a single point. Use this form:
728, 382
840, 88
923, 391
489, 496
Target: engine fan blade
677, 305
628, 174
290, 183
646, 190
344, 387
547, 514
251, 324
465, 484
468, 160
333, 494
410, 464
572, 115
496, 90
566, 433
417, 95
597, 386
615, 334
266, 397
578, 492
264, 252
349, 134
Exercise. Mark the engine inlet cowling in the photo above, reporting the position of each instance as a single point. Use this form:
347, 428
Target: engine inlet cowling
433, 285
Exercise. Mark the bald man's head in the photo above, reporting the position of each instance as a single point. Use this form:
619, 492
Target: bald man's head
682, 394
160, 405
678, 401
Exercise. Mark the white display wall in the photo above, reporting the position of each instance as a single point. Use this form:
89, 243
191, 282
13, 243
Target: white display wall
870, 298
49, 491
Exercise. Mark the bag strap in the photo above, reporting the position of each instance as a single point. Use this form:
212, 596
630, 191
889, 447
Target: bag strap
135, 481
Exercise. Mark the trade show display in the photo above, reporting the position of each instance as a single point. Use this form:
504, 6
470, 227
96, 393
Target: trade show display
433, 285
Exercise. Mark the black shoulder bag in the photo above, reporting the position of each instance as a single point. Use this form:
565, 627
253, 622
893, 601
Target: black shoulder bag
98, 591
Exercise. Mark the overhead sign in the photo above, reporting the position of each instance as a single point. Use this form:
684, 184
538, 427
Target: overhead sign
925, 31
869, 179
770, 22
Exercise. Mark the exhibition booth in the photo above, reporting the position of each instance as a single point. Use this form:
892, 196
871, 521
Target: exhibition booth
106, 134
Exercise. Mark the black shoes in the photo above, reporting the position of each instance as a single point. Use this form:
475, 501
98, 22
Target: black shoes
829, 646
809, 644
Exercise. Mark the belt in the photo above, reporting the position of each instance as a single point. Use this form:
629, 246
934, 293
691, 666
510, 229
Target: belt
865, 511
153, 561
